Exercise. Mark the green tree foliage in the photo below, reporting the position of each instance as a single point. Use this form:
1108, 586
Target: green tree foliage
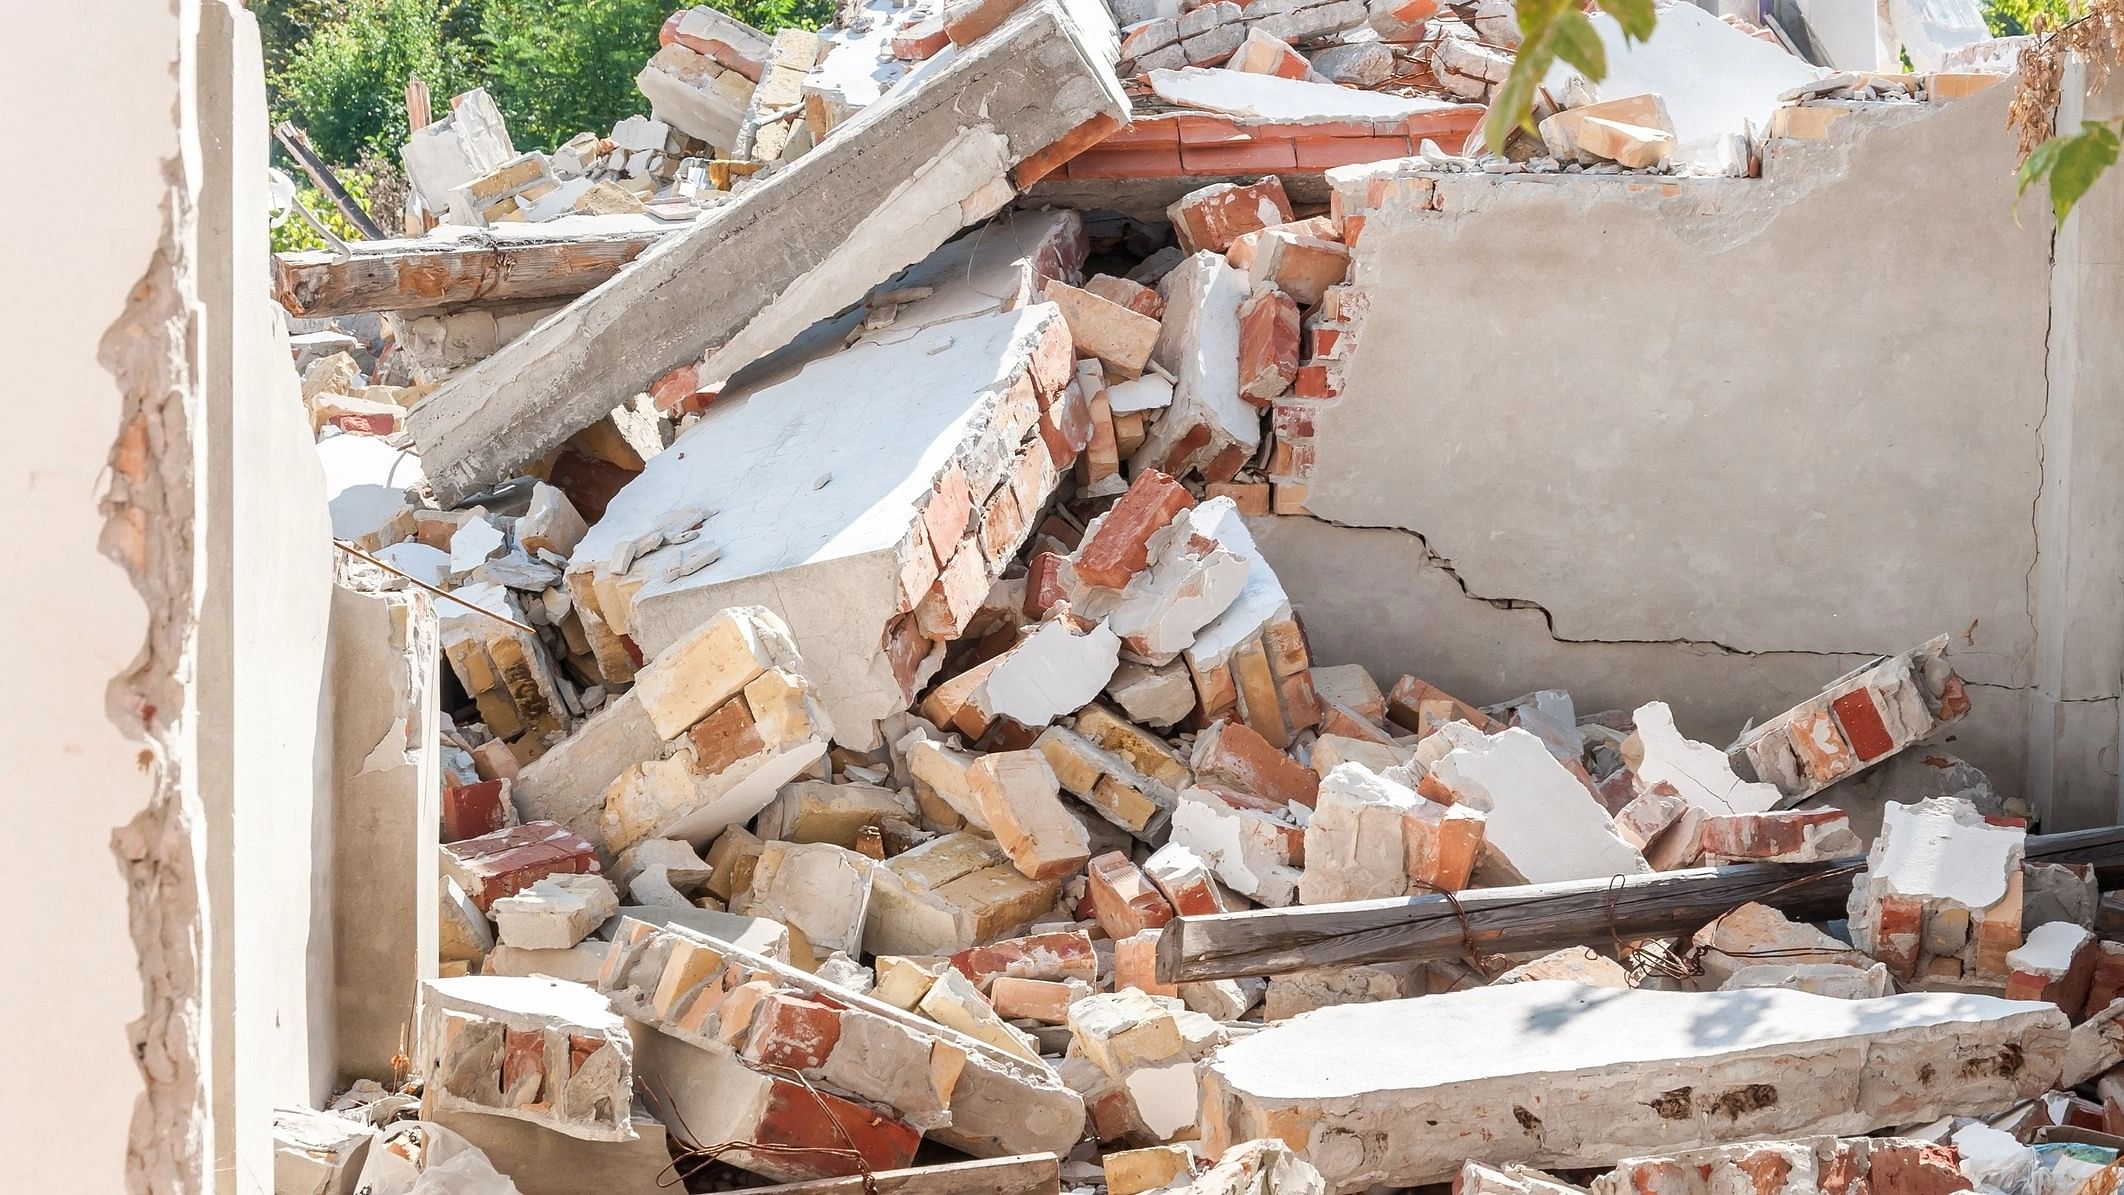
560, 67
2012, 18
1549, 30
345, 83
556, 68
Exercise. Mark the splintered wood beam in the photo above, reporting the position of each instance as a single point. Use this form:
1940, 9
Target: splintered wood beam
403, 275
297, 143
1018, 1174
1540, 916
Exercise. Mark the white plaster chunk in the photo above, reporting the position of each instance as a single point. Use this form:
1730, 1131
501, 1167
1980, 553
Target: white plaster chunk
366, 482
1137, 395
475, 541
1198, 344
417, 560
555, 912
817, 888
1822, 979
1185, 587
1942, 848
1698, 771
1261, 600
1051, 672
1558, 1074
2049, 950
1541, 819
1353, 843
1249, 850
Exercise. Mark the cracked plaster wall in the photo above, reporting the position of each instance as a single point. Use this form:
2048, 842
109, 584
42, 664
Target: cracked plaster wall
1717, 442
160, 737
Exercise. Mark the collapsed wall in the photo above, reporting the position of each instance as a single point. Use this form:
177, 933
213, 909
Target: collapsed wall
1587, 507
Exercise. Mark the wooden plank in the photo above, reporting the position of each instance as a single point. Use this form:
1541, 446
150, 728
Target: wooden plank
402, 275
1019, 1174
1539, 916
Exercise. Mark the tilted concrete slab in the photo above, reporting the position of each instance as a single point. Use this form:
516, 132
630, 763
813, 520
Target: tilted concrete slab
1559, 1074
891, 185
825, 485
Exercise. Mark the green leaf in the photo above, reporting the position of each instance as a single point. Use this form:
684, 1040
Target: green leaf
1635, 17
1578, 43
1536, 17
1513, 104
2072, 162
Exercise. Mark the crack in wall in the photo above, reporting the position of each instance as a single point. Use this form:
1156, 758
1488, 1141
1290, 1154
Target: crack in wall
1445, 565
147, 506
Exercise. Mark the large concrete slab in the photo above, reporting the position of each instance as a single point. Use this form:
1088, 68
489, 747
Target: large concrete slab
1557, 1074
888, 187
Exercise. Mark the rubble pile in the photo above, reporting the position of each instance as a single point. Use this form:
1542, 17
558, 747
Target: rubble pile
868, 707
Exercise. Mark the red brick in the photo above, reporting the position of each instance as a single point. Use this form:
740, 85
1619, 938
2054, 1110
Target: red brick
470, 810
1235, 754
1913, 1169
1315, 382
1045, 161
1119, 548
905, 649
727, 735
949, 508
1226, 465
1326, 153
1122, 897
1252, 498
1043, 584
1266, 54
966, 23
1444, 126
919, 40
1268, 345
523, 1069
1133, 295
1764, 835
1898, 931
1214, 216
1057, 956
1862, 724
508, 861
1210, 130
817, 1129
1147, 130
368, 423
1239, 158
792, 1032
1054, 361
1066, 426
1146, 161
2107, 981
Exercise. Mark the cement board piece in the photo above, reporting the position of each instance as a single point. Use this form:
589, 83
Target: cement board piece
888, 187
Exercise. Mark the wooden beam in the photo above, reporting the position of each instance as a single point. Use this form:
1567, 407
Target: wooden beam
403, 275
1539, 916
297, 143
1018, 1174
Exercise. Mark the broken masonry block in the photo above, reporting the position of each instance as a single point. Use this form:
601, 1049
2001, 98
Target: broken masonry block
949, 893
953, 1002
731, 859
713, 663
469, 142
891, 185
1020, 801
506, 862
1112, 786
542, 1050
1941, 893
1477, 1178
822, 811
1134, 1171
1822, 979
697, 94
1633, 147
1263, 53
1056, 956
1860, 719
1054, 669
1234, 755
1213, 216
1884, 1164
1128, 293
1350, 686
1207, 428
1779, 836
1252, 660
554, 913
504, 669
1560, 131
733, 44
1657, 753
1742, 936
1255, 846
1370, 837
470, 810
1124, 901
1622, 1072
703, 995
897, 526
1041, 1000
1117, 544
1261, 1167
1186, 882
1542, 824
1157, 696
1120, 338
817, 889
1268, 345
2056, 963
1190, 579
1136, 965
725, 769
1419, 707
1576, 964
1303, 267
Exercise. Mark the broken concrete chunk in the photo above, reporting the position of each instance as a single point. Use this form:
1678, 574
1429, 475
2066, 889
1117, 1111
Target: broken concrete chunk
1941, 893
1254, 846
556, 912
505, 862
1622, 1072
1018, 796
543, 1050
817, 889
1862, 718
1541, 821
1699, 773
